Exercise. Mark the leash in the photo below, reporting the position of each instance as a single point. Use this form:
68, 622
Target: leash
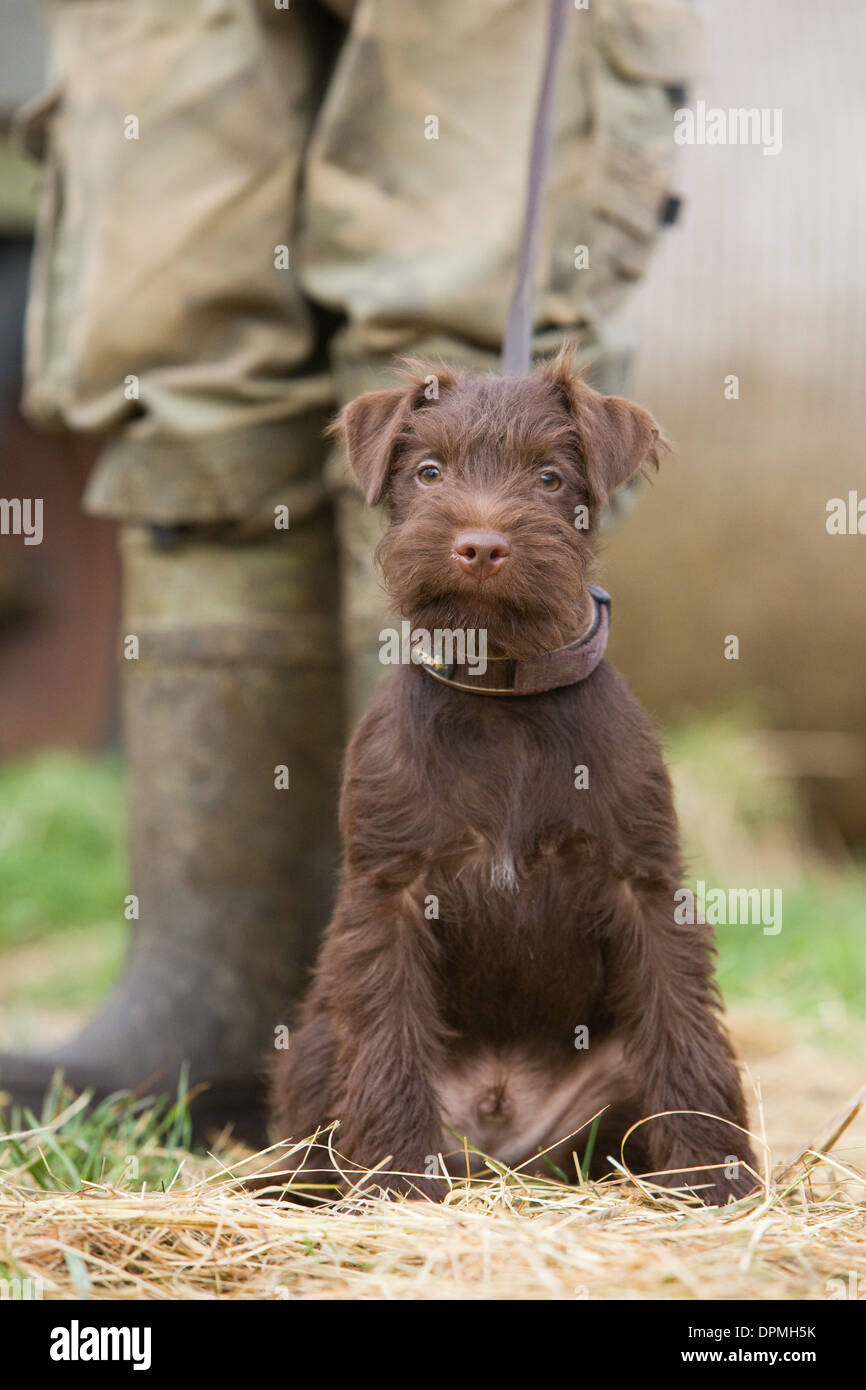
516, 348
573, 663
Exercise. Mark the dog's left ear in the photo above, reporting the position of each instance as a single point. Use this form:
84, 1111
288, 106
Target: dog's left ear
617, 437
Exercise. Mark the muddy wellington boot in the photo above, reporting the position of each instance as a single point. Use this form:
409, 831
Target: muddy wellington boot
237, 677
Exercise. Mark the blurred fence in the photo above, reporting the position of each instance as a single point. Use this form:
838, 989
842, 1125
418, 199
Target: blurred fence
765, 279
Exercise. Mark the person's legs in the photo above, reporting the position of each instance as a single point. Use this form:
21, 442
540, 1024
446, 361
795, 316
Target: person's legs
165, 309
163, 312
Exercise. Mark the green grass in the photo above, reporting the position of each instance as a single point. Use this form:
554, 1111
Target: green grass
818, 955
68, 970
124, 1141
745, 827
61, 845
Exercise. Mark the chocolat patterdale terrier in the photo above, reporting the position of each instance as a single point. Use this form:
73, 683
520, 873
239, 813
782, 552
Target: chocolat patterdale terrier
504, 960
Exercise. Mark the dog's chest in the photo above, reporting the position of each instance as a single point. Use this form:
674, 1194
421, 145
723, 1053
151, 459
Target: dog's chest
501, 805
477, 805
471, 806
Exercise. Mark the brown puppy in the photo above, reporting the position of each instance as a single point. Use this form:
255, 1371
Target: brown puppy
504, 958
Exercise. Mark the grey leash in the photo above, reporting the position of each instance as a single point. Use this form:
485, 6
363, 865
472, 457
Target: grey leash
516, 348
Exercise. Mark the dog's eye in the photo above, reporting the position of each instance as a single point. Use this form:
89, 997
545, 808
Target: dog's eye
549, 481
428, 473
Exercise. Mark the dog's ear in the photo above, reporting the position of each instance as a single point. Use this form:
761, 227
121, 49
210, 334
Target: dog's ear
370, 426
617, 437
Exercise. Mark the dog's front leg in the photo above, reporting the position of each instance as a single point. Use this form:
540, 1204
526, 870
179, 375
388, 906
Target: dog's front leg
380, 960
664, 998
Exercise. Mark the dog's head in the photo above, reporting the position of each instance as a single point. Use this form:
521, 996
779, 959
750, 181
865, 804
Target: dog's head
494, 488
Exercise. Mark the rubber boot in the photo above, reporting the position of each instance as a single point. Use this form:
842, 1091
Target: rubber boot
237, 676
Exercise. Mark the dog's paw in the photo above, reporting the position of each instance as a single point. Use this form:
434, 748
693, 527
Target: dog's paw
725, 1189
408, 1184
727, 1178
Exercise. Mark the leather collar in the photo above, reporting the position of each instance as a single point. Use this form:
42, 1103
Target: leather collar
532, 675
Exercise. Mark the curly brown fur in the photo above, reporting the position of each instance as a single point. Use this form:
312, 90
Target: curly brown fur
488, 908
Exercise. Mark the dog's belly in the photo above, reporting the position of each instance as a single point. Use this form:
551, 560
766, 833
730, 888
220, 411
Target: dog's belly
511, 1104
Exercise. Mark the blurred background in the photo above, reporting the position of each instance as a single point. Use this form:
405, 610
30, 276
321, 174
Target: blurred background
763, 277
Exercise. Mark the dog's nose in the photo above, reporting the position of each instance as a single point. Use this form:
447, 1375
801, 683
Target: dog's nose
481, 553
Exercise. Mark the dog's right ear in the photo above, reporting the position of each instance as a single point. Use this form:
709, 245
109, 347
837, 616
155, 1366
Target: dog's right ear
370, 426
